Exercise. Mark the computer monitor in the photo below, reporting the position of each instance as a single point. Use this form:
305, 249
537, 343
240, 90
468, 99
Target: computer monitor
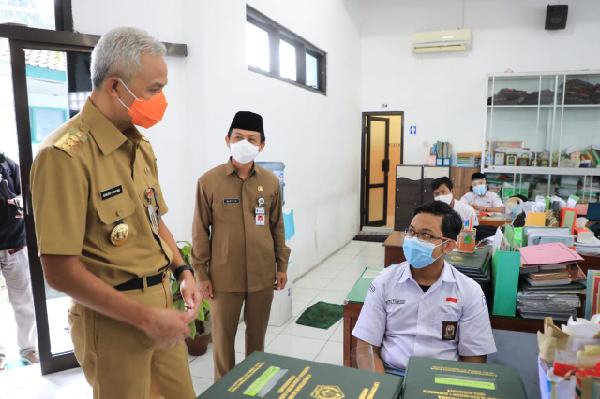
593, 213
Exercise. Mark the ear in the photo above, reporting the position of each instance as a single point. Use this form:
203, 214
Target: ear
110, 87
262, 147
227, 140
450, 246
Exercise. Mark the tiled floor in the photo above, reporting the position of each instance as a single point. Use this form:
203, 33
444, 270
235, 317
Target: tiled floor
329, 282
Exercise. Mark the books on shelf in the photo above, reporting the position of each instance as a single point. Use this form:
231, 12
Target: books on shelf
468, 159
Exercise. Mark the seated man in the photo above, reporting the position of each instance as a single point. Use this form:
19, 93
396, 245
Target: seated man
480, 198
443, 190
424, 307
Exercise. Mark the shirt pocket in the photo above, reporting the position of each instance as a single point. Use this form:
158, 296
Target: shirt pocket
445, 324
396, 315
111, 212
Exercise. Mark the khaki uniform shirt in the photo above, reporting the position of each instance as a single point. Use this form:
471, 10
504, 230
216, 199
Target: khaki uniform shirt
89, 177
228, 246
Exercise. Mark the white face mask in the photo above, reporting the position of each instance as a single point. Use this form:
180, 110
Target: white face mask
243, 152
446, 198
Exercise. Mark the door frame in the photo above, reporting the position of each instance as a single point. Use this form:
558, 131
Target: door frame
20, 38
363, 157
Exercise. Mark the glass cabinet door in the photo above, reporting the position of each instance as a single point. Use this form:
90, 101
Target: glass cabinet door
579, 128
520, 120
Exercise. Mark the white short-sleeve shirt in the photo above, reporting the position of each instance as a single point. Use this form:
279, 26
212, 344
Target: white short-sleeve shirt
490, 199
449, 320
466, 211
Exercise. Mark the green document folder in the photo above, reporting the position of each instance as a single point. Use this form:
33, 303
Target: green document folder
435, 379
302, 379
360, 288
505, 278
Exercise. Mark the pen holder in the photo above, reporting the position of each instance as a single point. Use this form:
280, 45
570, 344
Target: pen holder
466, 241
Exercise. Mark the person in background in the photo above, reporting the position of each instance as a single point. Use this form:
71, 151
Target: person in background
424, 307
14, 263
480, 198
443, 190
514, 210
238, 240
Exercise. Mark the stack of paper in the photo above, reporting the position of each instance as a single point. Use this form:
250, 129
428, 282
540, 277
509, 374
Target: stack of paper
590, 247
475, 265
550, 282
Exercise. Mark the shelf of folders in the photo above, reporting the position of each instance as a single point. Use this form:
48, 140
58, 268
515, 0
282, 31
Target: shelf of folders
569, 359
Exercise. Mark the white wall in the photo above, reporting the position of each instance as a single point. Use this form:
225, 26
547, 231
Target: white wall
316, 136
444, 94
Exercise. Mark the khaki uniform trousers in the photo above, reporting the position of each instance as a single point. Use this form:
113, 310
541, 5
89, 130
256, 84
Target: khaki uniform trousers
120, 362
225, 313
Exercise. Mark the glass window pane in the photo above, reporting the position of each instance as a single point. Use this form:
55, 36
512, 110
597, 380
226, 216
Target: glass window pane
287, 60
257, 47
312, 71
33, 13
9, 143
48, 95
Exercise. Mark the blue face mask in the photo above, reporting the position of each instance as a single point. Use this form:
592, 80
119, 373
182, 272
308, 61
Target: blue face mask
418, 253
480, 189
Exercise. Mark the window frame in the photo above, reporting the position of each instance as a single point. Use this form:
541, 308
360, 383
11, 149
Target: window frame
63, 15
302, 46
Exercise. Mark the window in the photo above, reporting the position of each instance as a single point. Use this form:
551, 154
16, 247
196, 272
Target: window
42, 14
277, 52
257, 48
312, 70
287, 60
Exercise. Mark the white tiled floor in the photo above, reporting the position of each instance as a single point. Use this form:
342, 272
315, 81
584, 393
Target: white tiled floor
329, 282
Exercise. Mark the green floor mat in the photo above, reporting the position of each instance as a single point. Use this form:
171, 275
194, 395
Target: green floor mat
321, 315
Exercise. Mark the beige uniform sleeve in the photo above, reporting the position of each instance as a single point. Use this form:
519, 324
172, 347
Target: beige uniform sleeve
201, 233
60, 199
282, 252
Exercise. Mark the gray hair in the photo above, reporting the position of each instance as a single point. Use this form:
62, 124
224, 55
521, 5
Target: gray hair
119, 52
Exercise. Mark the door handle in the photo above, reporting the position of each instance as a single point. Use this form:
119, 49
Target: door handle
385, 165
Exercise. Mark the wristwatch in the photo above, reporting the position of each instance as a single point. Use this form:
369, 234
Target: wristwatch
180, 269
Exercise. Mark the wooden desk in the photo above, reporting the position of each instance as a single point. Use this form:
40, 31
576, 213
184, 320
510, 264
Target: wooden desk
393, 249
493, 221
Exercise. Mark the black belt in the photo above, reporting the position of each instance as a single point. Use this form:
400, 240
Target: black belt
137, 283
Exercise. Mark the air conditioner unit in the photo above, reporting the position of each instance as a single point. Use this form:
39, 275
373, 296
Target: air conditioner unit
443, 40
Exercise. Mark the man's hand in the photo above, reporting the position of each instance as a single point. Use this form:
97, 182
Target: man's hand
281, 280
166, 327
190, 292
206, 289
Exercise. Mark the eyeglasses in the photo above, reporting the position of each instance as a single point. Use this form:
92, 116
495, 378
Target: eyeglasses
254, 139
410, 232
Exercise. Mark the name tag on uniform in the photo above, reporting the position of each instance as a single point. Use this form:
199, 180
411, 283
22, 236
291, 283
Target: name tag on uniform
231, 201
260, 220
449, 330
111, 192
259, 210
395, 302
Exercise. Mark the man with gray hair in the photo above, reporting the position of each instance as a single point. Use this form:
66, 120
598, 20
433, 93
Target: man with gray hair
98, 209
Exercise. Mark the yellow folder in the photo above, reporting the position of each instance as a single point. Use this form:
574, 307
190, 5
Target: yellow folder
536, 219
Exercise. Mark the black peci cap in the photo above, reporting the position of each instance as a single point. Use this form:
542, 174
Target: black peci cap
248, 121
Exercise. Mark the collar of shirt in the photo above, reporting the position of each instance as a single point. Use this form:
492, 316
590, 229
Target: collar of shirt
106, 134
446, 276
230, 169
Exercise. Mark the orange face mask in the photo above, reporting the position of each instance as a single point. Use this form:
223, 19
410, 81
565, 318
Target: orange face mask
146, 113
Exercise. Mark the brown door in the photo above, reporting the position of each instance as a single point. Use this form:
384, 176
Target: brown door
377, 167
